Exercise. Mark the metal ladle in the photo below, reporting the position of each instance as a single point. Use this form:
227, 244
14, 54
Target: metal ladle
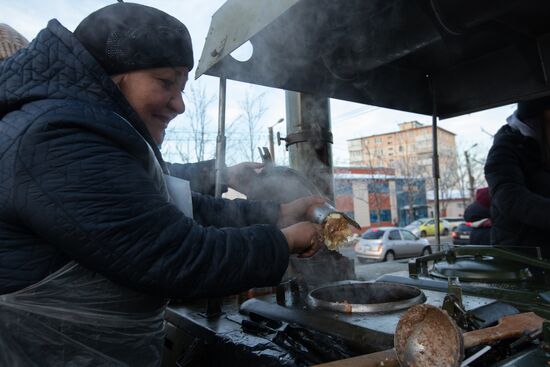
427, 336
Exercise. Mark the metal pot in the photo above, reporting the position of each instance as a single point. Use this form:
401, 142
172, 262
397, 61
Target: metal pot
355, 296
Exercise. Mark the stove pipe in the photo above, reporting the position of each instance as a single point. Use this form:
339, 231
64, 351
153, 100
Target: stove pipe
309, 139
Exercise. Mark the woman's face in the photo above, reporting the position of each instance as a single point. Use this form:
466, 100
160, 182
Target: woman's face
156, 95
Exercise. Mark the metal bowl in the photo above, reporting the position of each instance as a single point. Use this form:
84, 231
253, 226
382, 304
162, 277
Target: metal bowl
361, 297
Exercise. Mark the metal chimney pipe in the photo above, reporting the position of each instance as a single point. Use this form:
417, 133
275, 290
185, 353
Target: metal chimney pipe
309, 139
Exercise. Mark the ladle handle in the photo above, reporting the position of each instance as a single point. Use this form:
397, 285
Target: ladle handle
508, 327
385, 358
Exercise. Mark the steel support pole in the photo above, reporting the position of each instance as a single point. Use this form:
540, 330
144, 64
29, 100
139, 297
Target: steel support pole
220, 139
471, 180
214, 305
271, 143
435, 162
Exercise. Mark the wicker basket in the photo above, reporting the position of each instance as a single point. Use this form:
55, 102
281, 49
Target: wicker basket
10, 41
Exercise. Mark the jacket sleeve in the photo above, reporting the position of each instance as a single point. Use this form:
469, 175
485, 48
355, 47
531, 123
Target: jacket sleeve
201, 175
475, 212
233, 213
220, 213
96, 203
507, 182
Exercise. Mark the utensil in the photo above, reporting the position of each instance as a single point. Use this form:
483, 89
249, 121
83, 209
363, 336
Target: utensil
427, 336
320, 213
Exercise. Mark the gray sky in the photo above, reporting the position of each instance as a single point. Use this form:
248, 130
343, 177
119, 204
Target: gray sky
349, 120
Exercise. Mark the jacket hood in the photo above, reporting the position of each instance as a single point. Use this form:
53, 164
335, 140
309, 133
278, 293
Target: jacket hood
55, 65
517, 124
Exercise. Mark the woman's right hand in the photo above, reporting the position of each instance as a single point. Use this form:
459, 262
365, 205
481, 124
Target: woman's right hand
304, 238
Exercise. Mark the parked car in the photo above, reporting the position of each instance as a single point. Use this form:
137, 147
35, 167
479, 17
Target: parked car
413, 226
389, 243
461, 235
426, 227
454, 222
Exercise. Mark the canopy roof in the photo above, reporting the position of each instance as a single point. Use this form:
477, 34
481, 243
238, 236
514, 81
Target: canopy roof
479, 54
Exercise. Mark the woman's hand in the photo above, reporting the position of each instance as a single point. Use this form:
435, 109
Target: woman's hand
303, 238
242, 175
297, 210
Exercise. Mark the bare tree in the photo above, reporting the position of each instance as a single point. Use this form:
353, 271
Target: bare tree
192, 133
473, 166
176, 146
449, 181
373, 157
413, 175
253, 110
197, 107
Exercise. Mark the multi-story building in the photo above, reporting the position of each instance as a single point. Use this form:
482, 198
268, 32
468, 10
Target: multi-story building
376, 197
408, 151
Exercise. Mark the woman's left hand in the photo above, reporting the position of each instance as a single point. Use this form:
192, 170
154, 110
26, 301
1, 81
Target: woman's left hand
241, 176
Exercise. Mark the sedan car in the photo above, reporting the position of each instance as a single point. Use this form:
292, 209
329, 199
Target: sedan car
389, 243
413, 226
426, 227
454, 222
461, 235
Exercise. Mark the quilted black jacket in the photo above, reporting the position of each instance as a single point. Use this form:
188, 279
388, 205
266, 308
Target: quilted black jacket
520, 191
75, 183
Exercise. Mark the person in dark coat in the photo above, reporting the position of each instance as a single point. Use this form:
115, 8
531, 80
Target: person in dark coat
478, 214
91, 243
518, 173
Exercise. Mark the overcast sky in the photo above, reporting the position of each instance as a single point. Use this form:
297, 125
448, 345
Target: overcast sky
349, 120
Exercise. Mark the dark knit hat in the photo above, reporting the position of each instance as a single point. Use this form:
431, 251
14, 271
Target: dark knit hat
124, 37
483, 197
532, 108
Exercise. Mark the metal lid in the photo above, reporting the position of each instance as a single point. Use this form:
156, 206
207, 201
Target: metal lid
481, 269
355, 296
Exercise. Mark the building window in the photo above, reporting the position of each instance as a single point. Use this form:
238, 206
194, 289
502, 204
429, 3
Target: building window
378, 187
385, 216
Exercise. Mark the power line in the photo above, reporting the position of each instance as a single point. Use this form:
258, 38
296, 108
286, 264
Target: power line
356, 114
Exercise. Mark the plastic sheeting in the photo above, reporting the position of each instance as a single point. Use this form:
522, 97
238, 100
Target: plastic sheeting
75, 317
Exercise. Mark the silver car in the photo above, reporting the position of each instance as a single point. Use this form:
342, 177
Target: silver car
389, 243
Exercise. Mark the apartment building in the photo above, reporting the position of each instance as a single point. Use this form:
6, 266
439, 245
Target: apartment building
408, 151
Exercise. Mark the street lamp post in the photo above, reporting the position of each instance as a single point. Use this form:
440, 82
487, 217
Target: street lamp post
271, 143
469, 169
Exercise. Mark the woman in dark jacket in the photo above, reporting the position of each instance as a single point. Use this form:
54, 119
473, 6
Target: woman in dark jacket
518, 173
478, 214
90, 242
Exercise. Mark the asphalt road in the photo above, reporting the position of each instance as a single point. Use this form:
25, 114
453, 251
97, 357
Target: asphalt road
373, 270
